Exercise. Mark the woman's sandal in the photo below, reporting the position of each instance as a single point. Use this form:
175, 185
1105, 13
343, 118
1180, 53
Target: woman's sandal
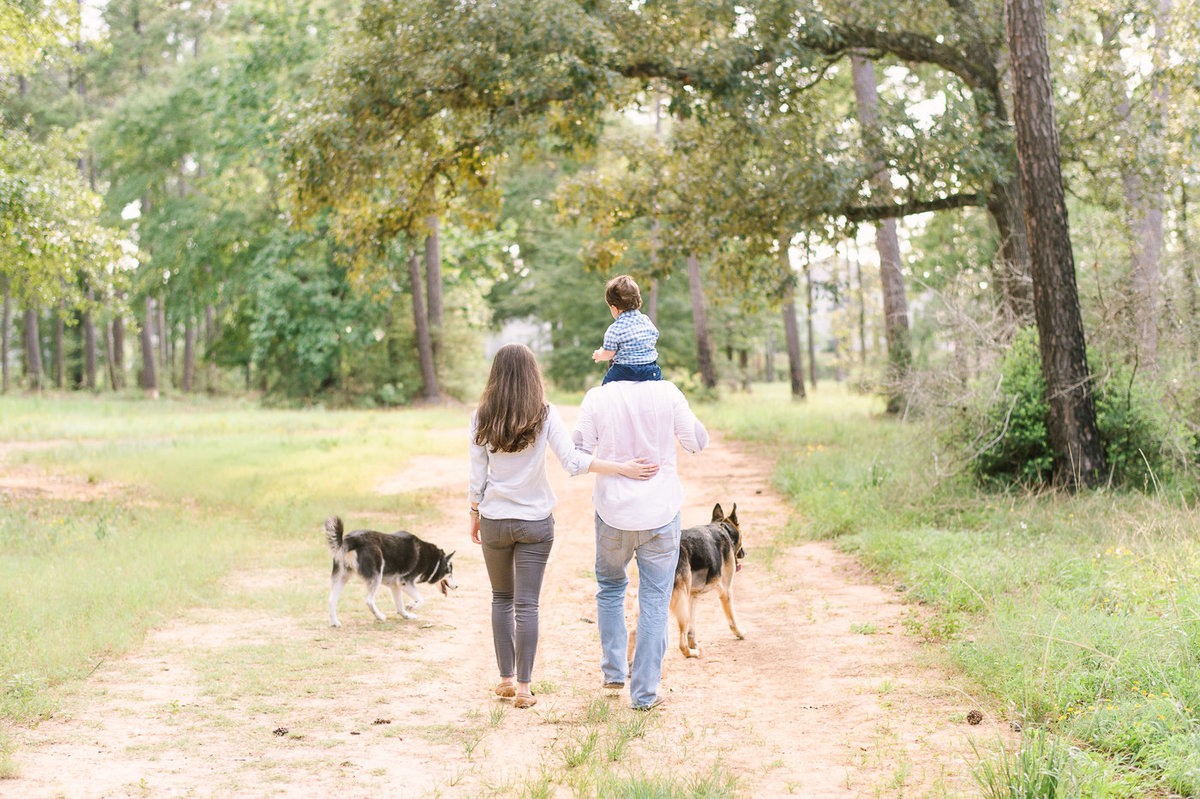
506, 690
525, 700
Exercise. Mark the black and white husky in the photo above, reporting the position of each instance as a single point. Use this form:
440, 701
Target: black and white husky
399, 559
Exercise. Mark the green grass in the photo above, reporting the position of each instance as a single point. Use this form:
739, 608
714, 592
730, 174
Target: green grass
208, 486
1081, 613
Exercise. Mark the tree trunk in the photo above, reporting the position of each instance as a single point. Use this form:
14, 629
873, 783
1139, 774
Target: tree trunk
110, 358
149, 372
210, 327
791, 329
1189, 277
60, 332
1146, 203
791, 332
1006, 206
862, 312
163, 339
189, 354
33, 350
704, 357
769, 358
808, 321
5, 335
650, 307
210, 341
421, 323
89, 346
895, 304
118, 339
433, 282
1071, 426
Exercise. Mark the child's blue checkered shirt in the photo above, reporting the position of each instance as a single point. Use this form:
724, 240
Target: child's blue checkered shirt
632, 337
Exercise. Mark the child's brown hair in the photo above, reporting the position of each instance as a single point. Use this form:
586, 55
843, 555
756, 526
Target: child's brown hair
622, 293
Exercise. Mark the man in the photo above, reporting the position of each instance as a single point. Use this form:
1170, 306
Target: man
621, 421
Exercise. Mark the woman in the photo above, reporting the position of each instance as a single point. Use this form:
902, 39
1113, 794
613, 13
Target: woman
511, 503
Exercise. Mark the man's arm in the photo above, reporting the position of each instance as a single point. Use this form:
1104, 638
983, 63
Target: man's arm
584, 435
691, 433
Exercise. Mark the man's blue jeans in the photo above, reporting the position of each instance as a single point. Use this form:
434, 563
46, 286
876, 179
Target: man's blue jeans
657, 552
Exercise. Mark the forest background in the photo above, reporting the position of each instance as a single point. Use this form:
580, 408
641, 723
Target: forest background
320, 204
223, 197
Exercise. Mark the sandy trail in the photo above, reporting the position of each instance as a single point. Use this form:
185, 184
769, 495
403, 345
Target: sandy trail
262, 698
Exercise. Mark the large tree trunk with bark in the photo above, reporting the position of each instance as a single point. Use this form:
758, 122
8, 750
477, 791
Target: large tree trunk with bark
33, 350
421, 324
149, 369
1006, 206
704, 356
433, 284
1072, 430
887, 243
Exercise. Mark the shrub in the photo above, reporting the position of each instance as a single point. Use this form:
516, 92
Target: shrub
1016, 420
1015, 448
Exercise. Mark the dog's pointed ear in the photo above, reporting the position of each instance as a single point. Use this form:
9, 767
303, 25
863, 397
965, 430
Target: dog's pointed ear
733, 514
718, 514
450, 556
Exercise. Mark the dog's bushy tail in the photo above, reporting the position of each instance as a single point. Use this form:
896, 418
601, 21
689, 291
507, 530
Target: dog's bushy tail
333, 534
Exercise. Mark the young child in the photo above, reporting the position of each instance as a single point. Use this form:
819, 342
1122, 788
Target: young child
630, 339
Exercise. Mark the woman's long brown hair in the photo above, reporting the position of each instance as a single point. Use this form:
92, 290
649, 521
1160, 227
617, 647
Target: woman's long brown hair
513, 405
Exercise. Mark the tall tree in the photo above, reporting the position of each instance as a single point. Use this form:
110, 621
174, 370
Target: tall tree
433, 283
791, 330
887, 243
33, 350
149, 368
421, 324
5, 332
189, 354
1071, 426
708, 369
89, 346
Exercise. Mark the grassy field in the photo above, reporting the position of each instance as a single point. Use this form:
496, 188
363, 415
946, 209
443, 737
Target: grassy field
82, 577
1077, 617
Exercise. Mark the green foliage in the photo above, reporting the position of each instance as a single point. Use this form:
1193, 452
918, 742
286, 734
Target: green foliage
1143, 445
51, 241
1020, 450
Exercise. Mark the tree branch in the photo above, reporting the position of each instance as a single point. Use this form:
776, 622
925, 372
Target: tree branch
831, 39
871, 213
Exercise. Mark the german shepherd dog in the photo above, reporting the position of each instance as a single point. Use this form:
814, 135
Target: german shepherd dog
399, 559
709, 556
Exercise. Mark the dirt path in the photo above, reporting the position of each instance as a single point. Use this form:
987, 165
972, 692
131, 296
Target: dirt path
826, 696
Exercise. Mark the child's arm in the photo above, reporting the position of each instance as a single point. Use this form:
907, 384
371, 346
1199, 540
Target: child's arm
603, 355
